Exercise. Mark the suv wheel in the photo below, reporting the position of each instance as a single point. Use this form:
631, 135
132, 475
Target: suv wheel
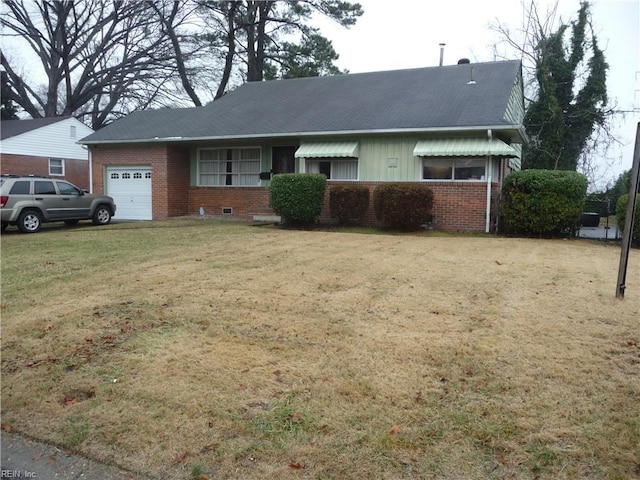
102, 215
29, 221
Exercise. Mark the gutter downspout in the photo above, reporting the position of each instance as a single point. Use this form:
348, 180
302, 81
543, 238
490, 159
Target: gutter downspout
487, 218
487, 222
90, 169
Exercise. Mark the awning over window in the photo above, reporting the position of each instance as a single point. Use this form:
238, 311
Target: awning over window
467, 147
327, 149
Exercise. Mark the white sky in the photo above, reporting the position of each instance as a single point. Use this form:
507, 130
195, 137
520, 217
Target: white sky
406, 34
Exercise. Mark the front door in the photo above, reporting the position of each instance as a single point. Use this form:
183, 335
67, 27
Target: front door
283, 160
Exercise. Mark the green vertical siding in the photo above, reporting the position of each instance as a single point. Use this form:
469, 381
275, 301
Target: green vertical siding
515, 106
388, 159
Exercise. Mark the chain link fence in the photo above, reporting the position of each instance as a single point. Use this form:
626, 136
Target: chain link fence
599, 221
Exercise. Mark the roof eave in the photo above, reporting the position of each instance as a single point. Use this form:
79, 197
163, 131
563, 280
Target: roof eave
519, 129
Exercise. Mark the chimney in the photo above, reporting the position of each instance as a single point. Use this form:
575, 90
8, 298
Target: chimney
442, 52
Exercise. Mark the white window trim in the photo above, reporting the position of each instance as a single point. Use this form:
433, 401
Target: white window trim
257, 174
62, 162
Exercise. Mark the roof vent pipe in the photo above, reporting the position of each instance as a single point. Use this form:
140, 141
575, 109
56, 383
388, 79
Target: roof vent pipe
442, 52
471, 80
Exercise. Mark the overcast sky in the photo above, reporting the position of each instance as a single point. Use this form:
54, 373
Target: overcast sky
406, 34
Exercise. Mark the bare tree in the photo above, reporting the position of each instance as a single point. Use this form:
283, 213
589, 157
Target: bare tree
99, 60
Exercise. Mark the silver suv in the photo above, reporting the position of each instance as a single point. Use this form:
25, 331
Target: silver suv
30, 201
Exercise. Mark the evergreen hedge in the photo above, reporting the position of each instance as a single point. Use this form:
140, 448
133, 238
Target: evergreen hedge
404, 206
298, 197
348, 203
542, 202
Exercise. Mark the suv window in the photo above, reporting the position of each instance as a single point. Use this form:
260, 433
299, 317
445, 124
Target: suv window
44, 188
20, 188
67, 189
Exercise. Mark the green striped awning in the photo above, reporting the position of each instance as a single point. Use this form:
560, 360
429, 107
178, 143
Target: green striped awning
458, 147
327, 149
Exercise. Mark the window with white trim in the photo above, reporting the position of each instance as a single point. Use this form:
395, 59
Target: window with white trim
345, 168
56, 166
459, 168
229, 166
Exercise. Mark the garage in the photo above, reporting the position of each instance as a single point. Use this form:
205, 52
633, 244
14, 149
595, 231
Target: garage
130, 188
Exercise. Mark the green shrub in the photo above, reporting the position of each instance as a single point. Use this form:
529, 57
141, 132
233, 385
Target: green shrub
298, 197
348, 203
542, 202
621, 215
403, 205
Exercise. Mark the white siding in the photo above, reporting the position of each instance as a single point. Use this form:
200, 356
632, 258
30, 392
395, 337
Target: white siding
53, 140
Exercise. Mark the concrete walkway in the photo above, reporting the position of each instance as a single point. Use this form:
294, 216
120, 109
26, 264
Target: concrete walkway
25, 458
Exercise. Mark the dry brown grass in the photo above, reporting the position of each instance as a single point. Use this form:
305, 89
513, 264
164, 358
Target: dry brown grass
230, 351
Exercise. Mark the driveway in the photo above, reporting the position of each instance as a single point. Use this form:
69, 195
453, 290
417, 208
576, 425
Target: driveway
25, 458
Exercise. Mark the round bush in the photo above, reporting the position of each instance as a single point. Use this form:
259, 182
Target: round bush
348, 203
542, 202
403, 205
298, 197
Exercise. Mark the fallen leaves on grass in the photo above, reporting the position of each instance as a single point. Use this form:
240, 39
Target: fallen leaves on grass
77, 396
180, 458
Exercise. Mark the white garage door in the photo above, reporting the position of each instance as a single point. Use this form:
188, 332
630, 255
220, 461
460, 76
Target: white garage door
130, 188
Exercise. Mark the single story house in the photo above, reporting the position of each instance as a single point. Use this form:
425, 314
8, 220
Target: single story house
457, 128
46, 147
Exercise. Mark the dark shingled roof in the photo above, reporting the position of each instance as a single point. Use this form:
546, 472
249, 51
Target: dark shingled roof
413, 99
11, 128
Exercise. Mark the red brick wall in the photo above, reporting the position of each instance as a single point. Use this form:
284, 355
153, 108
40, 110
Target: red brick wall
177, 181
75, 171
457, 206
169, 174
245, 201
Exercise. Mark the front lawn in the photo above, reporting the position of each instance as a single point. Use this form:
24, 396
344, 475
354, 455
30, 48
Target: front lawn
192, 348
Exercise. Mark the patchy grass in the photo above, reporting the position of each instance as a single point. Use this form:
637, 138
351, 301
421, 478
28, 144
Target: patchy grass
196, 349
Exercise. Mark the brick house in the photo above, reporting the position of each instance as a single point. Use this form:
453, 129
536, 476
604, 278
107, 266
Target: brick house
456, 128
47, 147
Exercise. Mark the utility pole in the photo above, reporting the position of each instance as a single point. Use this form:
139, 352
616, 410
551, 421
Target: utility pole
628, 224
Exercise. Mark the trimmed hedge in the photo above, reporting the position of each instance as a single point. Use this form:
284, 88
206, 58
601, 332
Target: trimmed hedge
621, 215
348, 203
542, 202
403, 205
298, 197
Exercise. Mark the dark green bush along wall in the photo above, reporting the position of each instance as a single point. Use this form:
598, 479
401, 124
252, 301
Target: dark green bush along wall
403, 205
298, 197
349, 203
542, 202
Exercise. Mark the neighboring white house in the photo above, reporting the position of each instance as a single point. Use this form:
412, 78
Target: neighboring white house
47, 147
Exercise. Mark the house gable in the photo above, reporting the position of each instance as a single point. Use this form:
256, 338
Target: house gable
56, 139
